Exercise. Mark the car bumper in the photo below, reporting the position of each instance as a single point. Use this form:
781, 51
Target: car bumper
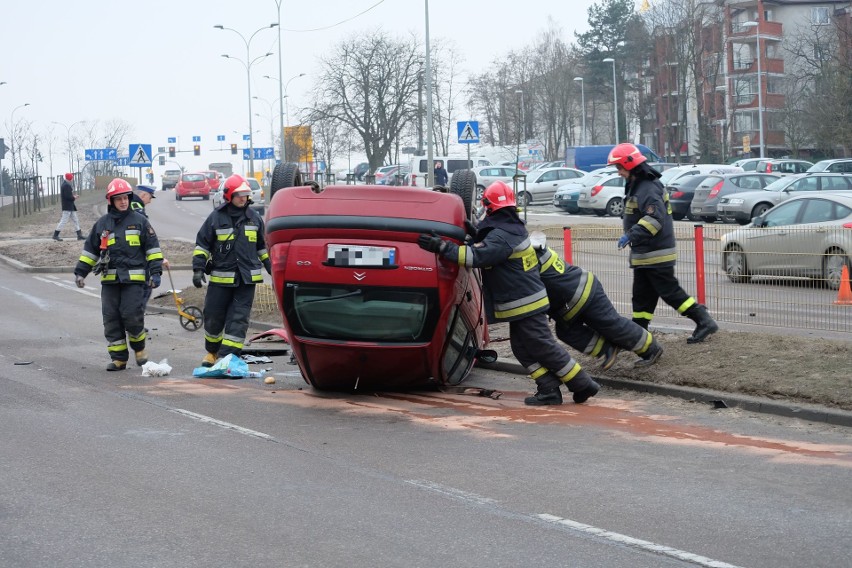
732, 215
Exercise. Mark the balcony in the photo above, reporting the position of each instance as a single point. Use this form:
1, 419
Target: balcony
767, 30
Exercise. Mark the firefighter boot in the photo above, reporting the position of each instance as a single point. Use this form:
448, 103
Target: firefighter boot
705, 325
649, 357
141, 357
80, 236
548, 392
209, 360
56, 236
583, 387
117, 366
609, 354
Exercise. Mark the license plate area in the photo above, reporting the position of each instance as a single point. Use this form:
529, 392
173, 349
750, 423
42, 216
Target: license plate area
360, 255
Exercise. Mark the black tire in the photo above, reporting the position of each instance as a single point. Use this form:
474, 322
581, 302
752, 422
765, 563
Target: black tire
760, 209
196, 321
709, 220
285, 175
464, 185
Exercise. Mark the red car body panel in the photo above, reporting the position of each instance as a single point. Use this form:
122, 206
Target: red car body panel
192, 185
304, 226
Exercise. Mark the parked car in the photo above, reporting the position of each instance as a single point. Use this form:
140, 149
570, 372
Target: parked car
806, 236
748, 164
606, 197
681, 192
678, 172
540, 185
486, 175
588, 158
170, 179
258, 202
384, 171
715, 186
742, 207
360, 170
192, 185
419, 166
783, 167
214, 178
397, 177
839, 166
567, 196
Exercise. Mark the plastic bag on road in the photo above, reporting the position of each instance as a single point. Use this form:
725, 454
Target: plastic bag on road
161, 369
228, 367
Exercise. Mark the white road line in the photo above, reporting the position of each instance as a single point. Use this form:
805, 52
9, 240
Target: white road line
637, 543
223, 424
38, 302
67, 285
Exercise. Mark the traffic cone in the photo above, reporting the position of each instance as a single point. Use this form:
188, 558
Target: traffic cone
844, 293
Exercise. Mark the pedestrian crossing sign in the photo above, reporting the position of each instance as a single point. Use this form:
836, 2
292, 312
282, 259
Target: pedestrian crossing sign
140, 156
468, 132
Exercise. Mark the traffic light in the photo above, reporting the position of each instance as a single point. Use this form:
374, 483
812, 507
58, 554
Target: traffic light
171, 151
233, 148
162, 160
196, 150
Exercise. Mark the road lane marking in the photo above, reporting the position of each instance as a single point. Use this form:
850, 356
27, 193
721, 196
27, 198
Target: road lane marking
223, 424
637, 543
43, 305
67, 285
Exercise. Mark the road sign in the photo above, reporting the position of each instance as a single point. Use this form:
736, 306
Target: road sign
172, 139
468, 132
220, 138
746, 143
246, 137
122, 161
140, 156
98, 154
260, 153
196, 138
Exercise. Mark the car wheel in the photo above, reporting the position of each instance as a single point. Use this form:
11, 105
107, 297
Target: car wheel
524, 199
464, 185
709, 220
615, 207
758, 210
285, 175
832, 267
599, 212
735, 265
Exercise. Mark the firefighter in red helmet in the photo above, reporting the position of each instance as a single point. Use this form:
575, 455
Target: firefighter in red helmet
123, 249
514, 293
230, 247
649, 231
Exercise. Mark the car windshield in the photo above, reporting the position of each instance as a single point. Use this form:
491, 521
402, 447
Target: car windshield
193, 177
253, 183
779, 184
362, 313
670, 174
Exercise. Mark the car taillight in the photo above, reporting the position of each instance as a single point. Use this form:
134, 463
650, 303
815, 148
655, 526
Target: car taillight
596, 190
677, 194
715, 191
847, 225
769, 168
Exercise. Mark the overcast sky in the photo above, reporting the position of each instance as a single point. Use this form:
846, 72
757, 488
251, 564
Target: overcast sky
157, 64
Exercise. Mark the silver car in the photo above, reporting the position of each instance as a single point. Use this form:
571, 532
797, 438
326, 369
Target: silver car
806, 236
257, 197
541, 185
742, 207
716, 186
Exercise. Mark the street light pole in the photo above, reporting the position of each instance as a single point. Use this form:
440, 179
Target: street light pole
430, 155
12, 140
278, 4
756, 26
248, 63
614, 97
68, 138
520, 128
583, 104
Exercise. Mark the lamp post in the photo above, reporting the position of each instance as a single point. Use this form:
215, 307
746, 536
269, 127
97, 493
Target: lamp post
520, 128
614, 96
247, 64
285, 102
430, 155
278, 4
583, 104
68, 138
756, 26
271, 115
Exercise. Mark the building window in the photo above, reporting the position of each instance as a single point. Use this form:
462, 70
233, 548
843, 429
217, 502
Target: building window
745, 121
775, 85
820, 16
745, 90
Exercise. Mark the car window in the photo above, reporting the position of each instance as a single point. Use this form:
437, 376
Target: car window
569, 174
193, 177
748, 182
615, 182
840, 167
547, 176
805, 184
253, 183
784, 214
818, 211
835, 183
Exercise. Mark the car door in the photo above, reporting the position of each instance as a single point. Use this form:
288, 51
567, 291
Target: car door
769, 245
835, 183
544, 186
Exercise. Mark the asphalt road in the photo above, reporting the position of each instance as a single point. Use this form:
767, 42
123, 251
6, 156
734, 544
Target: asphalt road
116, 469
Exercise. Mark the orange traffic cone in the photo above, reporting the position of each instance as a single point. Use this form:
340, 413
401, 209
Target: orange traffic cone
844, 293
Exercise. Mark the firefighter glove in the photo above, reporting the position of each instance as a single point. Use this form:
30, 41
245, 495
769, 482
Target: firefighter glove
431, 243
623, 241
155, 281
80, 281
198, 278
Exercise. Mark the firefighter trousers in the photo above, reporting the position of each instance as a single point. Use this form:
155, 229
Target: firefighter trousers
124, 318
652, 283
226, 318
538, 351
598, 324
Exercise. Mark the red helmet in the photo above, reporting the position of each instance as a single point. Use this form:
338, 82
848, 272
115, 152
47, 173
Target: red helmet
236, 185
497, 196
118, 187
69, 176
626, 155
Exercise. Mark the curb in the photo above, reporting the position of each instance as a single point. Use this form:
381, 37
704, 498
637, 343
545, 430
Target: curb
20, 266
719, 399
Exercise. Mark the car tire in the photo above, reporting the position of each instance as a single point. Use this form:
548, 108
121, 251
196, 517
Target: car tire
615, 207
735, 265
524, 199
832, 267
758, 210
285, 175
599, 212
464, 185
709, 220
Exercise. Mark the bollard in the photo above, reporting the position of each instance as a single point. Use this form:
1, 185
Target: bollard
370, 179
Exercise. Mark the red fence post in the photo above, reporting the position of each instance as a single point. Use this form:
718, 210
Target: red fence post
699, 263
567, 254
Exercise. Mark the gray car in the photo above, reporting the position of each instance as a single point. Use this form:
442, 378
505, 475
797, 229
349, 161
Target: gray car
716, 186
742, 207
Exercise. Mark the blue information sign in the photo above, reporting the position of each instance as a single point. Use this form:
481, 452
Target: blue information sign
122, 160
246, 137
196, 138
260, 153
172, 139
97, 154
140, 156
220, 138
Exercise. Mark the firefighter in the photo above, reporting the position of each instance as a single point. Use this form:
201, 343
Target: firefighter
584, 317
649, 231
123, 248
514, 293
230, 247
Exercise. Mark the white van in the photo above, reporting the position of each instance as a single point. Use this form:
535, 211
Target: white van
419, 166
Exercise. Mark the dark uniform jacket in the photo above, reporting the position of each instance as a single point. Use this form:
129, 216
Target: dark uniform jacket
232, 242
66, 195
648, 223
569, 287
511, 285
132, 246
136, 204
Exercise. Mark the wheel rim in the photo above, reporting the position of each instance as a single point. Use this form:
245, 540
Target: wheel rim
616, 207
834, 269
525, 199
735, 263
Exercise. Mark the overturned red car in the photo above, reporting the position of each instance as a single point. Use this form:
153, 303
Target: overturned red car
364, 307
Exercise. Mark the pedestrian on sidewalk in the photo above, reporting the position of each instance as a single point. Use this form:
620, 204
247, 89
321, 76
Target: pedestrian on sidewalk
69, 209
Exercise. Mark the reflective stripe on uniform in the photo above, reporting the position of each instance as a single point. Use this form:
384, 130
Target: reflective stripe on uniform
643, 316
256, 275
136, 275
201, 251
131, 236
536, 371
643, 344
232, 341
653, 257
221, 277
88, 258
465, 258
117, 346
262, 254
224, 234
527, 304
109, 275
137, 338
154, 254
652, 225
213, 338
581, 296
688, 303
